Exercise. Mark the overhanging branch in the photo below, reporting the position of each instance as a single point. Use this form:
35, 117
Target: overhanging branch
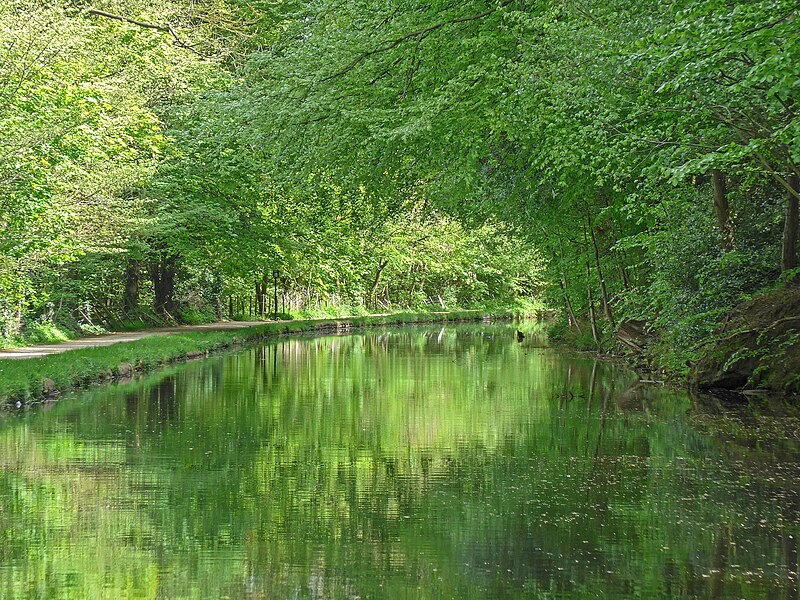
165, 28
419, 33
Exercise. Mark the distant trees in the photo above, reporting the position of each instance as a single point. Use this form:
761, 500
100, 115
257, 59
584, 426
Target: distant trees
138, 179
649, 148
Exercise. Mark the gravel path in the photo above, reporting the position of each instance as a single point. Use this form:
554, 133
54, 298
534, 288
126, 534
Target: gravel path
115, 338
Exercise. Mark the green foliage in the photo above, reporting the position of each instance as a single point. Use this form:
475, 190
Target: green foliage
193, 316
558, 330
45, 333
154, 170
379, 155
592, 130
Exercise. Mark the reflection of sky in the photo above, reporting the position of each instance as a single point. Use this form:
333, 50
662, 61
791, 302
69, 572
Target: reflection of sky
446, 462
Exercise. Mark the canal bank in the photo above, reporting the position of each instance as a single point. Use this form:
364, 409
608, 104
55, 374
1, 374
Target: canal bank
44, 378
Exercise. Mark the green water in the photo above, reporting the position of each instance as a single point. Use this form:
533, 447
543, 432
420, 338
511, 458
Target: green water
420, 463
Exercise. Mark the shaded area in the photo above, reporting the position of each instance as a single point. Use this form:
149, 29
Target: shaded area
758, 346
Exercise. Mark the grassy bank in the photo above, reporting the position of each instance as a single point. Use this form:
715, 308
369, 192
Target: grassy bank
31, 380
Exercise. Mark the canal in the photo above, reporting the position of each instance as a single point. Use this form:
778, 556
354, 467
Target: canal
443, 462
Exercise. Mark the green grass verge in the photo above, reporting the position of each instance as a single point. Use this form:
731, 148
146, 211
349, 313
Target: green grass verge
29, 380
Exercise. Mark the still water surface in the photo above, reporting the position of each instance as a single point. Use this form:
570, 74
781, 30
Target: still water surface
451, 462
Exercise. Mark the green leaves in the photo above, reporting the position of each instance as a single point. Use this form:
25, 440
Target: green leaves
456, 143
81, 137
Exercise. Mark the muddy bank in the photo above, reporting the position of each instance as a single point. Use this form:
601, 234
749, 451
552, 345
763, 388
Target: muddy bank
758, 347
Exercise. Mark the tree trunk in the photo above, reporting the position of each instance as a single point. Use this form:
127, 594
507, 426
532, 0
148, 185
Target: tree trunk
131, 298
790, 229
571, 319
162, 274
592, 314
722, 209
381, 266
275, 295
620, 254
261, 297
603, 290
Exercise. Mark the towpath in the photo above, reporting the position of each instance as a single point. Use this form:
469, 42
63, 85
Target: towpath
115, 338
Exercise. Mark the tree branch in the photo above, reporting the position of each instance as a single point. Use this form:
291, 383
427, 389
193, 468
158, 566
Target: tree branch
165, 28
786, 16
588, 16
419, 33
107, 15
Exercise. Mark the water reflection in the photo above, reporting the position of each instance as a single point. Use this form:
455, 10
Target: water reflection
424, 463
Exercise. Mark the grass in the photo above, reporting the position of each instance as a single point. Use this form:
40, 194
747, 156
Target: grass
29, 380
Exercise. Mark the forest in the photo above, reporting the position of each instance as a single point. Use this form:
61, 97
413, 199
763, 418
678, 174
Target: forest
633, 167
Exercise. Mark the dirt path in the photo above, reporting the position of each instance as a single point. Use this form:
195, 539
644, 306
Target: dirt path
115, 338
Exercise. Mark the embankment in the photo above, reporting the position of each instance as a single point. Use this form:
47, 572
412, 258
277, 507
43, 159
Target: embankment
38, 379
758, 347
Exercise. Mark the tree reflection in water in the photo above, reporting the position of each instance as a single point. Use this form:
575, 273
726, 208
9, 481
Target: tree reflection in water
425, 463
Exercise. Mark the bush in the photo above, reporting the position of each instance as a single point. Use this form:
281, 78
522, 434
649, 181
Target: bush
558, 330
197, 316
45, 333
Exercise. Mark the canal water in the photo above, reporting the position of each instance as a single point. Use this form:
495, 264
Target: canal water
447, 462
